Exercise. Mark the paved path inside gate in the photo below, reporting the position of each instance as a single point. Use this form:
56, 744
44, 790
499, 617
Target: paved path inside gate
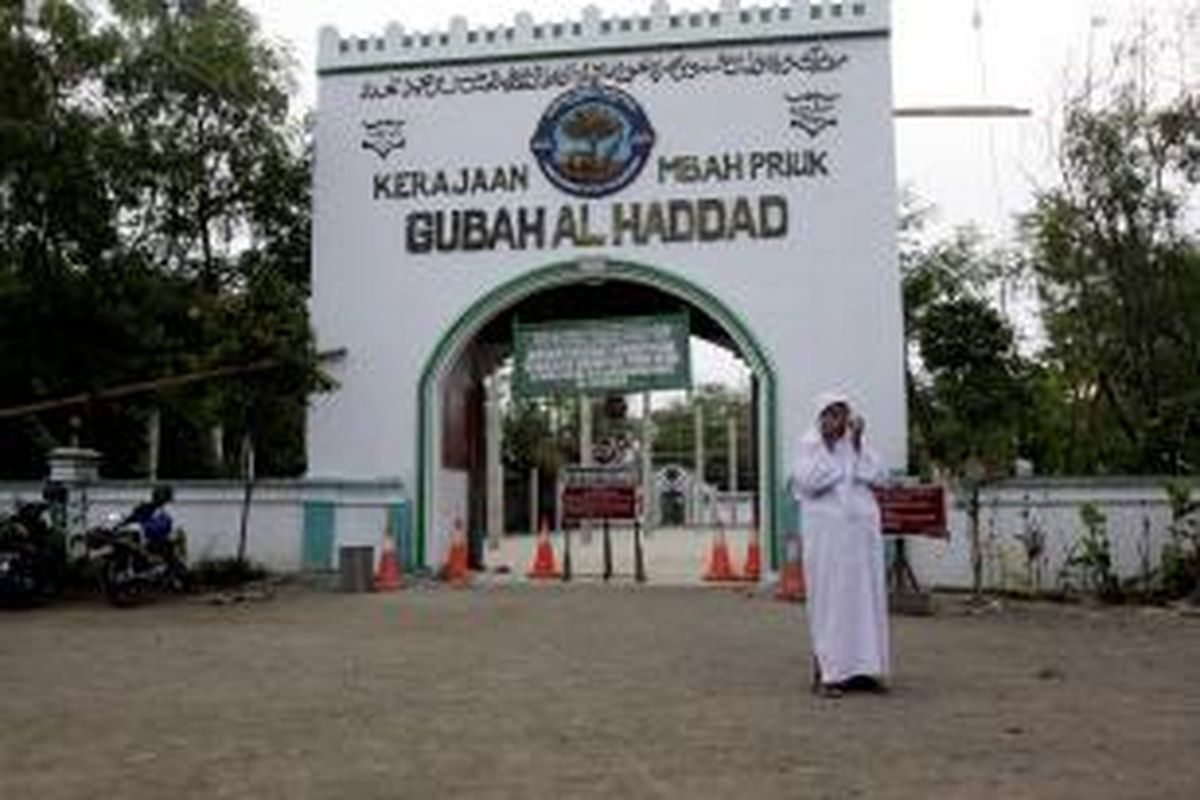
586, 691
674, 556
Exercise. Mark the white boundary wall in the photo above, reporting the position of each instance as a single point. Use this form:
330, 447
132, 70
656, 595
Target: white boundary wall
210, 513
1137, 511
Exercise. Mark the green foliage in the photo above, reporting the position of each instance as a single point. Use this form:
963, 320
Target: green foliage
154, 222
1180, 560
966, 381
1112, 252
675, 433
1091, 556
531, 439
202, 123
1118, 273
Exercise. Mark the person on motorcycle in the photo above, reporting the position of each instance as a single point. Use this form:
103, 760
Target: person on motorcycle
127, 566
156, 523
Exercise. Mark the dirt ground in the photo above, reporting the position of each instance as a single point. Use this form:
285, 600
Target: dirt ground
586, 691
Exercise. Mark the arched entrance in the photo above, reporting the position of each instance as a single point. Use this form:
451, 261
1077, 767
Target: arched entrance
591, 275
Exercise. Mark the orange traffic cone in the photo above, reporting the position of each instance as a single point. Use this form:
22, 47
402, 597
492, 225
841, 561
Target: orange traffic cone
719, 566
455, 572
791, 578
387, 576
543, 560
753, 570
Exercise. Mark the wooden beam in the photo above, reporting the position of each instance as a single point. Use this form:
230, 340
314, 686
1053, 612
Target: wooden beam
142, 387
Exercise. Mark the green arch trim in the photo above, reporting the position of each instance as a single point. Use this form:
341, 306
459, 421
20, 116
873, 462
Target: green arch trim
471, 321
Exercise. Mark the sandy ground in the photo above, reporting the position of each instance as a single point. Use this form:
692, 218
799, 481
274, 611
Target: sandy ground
586, 691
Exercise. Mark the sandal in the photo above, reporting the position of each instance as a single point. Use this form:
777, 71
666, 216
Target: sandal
866, 683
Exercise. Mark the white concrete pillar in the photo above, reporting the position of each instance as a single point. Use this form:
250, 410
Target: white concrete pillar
585, 429
732, 484
697, 464
493, 467
76, 468
555, 524
585, 452
648, 504
534, 496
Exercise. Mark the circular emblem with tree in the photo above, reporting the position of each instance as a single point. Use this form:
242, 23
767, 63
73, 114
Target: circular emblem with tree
593, 140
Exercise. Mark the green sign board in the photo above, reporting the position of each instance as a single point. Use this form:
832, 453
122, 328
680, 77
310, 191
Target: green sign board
626, 354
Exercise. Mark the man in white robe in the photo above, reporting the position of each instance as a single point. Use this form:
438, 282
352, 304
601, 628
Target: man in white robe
843, 550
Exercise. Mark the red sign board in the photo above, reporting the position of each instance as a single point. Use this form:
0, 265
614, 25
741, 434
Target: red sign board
599, 502
913, 510
599, 492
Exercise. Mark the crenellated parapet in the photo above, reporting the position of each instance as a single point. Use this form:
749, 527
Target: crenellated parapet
594, 33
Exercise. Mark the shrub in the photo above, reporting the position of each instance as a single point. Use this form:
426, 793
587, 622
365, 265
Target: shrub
1091, 556
1180, 564
225, 573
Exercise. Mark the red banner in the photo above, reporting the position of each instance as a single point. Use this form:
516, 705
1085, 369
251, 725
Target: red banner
913, 510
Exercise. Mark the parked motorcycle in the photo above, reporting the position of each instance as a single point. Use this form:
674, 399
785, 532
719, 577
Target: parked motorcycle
32, 556
139, 555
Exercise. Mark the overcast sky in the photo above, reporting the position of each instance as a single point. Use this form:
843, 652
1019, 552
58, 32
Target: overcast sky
1022, 52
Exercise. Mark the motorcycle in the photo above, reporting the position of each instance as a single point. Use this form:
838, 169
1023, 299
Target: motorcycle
32, 556
138, 555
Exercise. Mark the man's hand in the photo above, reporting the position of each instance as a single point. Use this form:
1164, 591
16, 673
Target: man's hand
856, 426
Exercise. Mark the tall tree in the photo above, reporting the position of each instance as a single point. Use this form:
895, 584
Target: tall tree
966, 384
202, 104
154, 215
1115, 256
